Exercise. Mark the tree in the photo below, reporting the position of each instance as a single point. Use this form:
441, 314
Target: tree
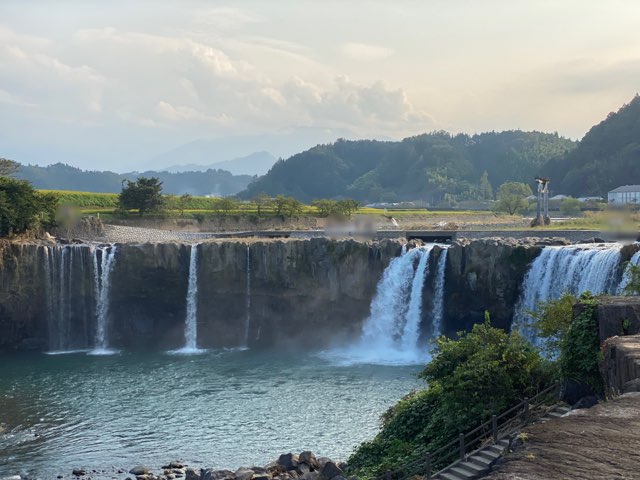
183, 201
486, 190
551, 321
144, 195
8, 167
348, 207
512, 197
570, 206
287, 206
325, 207
262, 201
22, 208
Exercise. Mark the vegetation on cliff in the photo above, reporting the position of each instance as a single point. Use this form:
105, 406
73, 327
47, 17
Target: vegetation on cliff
482, 373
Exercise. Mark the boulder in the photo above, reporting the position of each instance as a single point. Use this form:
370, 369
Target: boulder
289, 461
210, 474
631, 386
139, 470
310, 459
586, 402
191, 474
262, 476
309, 476
244, 474
79, 472
330, 470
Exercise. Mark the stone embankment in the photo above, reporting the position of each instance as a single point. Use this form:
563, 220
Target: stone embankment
289, 466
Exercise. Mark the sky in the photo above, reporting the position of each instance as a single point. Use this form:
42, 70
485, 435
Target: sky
114, 85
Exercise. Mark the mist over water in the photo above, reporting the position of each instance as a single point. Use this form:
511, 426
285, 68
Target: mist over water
217, 409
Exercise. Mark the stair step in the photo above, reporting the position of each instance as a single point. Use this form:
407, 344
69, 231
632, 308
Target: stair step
482, 461
555, 414
489, 455
451, 476
497, 449
462, 473
473, 467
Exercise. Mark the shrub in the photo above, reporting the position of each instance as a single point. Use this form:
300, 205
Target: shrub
22, 208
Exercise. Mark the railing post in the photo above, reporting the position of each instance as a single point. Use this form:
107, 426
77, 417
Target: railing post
461, 437
526, 410
494, 428
428, 469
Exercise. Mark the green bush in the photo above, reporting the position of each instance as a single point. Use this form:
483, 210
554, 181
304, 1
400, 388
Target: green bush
552, 320
482, 373
580, 347
22, 208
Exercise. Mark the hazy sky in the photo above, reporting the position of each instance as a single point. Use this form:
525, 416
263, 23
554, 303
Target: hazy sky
109, 85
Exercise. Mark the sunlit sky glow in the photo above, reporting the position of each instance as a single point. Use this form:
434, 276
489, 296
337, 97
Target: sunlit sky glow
110, 85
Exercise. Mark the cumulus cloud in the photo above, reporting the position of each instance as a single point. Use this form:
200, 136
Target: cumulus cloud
364, 52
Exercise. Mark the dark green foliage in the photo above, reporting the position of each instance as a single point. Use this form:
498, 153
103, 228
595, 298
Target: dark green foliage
336, 208
633, 287
144, 195
607, 157
426, 166
580, 347
552, 321
22, 208
287, 206
482, 373
512, 197
66, 177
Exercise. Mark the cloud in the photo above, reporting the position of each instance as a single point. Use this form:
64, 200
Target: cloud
363, 52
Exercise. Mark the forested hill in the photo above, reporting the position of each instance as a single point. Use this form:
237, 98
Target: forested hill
65, 177
432, 167
607, 157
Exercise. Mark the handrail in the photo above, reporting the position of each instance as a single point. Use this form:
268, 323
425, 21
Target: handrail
491, 429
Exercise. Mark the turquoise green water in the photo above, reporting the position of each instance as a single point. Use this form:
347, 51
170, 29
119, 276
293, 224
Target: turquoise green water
218, 409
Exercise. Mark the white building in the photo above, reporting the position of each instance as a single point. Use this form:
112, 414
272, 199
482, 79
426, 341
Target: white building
624, 195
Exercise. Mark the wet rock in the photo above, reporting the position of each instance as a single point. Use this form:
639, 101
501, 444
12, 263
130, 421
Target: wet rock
244, 474
262, 476
586, 402
330, 470
191, 474
139, 470
309, 476
310, 459
79, 472
289, 461
210, 474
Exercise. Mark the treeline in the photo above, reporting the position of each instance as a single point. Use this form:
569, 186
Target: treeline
437, 167
607, 157
65, 177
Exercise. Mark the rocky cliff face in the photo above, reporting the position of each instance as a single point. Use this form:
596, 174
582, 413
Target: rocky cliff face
297, 293
484, 275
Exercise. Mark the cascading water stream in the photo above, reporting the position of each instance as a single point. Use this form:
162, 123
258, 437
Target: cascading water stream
438, 295
247, 324
191, 318
102, 285
569, 269
391, 334
626, 276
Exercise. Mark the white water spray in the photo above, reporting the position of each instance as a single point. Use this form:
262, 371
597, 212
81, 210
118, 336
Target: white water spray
391, 334
102, 287
438, 295
247, 324
626, 276
191, 318
569, 269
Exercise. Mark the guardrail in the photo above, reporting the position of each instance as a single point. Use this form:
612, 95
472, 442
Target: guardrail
493, 430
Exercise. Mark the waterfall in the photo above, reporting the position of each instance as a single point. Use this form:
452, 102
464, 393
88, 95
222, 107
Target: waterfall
626, 276
102, 269
438, 295
191, 318
391, 333
569, 269
58, 265
247, 323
